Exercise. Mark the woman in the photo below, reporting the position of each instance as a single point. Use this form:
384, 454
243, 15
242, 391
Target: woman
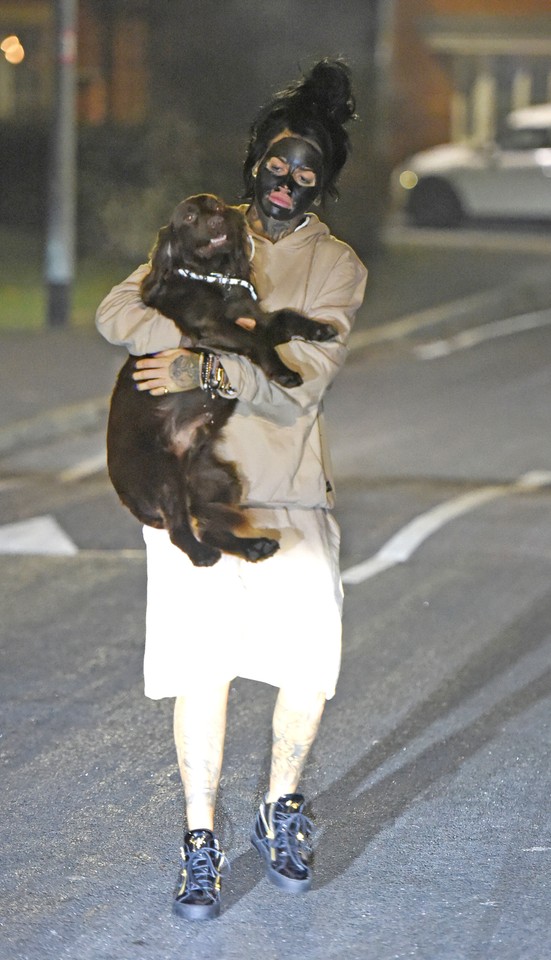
278, 621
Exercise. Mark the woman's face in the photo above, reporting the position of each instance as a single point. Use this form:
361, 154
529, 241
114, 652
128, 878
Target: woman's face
288, 179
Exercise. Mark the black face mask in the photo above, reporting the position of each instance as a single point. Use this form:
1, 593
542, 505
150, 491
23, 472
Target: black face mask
289, 179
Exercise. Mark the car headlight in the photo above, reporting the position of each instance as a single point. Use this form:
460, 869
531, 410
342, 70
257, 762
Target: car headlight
408, 179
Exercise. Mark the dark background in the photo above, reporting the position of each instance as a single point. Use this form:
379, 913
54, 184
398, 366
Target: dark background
205, 69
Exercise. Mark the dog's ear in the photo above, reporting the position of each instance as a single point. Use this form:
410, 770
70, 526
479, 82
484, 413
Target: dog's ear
161, 265
241, 247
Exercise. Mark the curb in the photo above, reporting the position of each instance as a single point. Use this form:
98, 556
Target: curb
55, 423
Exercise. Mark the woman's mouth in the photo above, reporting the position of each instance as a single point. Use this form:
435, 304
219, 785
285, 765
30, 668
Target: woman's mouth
280, 199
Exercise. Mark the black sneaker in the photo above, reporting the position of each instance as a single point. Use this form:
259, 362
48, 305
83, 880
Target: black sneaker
197, 896
282, 837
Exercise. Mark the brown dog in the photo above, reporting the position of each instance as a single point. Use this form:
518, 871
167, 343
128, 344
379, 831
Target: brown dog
160, 450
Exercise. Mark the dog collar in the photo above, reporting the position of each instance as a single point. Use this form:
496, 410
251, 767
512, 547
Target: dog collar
219, 278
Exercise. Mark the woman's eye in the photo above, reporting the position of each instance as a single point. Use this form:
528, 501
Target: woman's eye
278, 168
306, 180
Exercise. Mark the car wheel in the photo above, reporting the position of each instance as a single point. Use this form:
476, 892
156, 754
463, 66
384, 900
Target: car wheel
433, 203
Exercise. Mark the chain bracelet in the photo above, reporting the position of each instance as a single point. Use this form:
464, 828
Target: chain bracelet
213, 377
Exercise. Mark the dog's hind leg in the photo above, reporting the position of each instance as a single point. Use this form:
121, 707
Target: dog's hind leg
200, 553
177, 522
250, 548
215, 492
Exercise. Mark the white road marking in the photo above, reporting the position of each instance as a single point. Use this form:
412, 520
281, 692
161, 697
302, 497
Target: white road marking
488, 331
406, 541
84, 468
39, 535
13, 483
431, 316
469, 239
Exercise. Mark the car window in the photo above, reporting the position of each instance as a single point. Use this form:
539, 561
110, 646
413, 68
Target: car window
526, 138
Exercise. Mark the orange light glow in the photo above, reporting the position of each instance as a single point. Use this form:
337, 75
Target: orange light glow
12, 49
15, 55
9, 42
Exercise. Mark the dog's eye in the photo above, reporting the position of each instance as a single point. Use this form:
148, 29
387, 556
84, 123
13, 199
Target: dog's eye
190, 218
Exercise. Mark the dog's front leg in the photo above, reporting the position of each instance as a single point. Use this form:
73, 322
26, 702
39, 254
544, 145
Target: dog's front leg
285, 325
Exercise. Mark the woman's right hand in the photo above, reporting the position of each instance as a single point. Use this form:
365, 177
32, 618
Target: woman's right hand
170, 371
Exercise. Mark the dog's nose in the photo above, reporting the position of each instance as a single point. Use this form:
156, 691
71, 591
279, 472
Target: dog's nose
216, 223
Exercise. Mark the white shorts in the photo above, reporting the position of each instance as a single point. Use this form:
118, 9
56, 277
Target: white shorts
277, 621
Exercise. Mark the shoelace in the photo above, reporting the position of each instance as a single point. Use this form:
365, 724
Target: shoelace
202, 869
292, 835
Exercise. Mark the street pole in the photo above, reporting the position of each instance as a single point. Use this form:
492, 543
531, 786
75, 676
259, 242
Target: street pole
384, 52
60, 235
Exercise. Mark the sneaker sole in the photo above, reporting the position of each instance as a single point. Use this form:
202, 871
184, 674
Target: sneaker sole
284, 883
196, 911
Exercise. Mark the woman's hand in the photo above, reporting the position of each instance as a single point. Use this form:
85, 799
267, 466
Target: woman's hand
246, 322
170, 371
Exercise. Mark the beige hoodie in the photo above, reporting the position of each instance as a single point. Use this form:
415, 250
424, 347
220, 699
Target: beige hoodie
275, 434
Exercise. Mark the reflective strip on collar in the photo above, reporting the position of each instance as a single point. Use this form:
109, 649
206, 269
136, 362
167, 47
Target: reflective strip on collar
219, 278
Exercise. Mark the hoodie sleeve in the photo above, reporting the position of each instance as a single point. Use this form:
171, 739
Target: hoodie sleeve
337, 300
124, 320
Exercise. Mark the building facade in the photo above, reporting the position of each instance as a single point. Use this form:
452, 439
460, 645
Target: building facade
113, 61
459, 66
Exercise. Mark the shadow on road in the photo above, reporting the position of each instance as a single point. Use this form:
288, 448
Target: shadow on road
374, 808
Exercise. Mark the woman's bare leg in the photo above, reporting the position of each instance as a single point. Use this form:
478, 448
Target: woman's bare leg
295, 725
199, 732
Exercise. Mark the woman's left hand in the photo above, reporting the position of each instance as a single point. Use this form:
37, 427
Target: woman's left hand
170, 371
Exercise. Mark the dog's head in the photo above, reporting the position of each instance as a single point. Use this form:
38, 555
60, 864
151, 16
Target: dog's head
203, 235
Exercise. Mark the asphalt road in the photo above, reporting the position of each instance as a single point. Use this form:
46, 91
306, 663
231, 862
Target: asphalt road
430, 779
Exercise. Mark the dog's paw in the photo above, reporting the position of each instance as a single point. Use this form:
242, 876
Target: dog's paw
260, 548
288, 378
323, 331
204, 556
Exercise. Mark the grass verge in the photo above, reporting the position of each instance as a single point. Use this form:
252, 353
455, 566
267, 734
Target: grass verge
22, 290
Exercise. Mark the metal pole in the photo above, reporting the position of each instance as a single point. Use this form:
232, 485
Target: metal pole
384, 53
60, 238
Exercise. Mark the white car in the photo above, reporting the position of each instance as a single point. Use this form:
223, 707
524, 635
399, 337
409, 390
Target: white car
509, 178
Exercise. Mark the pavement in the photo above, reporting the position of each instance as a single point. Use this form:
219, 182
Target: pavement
58, 381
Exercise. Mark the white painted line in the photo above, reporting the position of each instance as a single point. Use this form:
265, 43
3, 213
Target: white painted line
470, 239
488, 331
403, 544
13, 482
84, 468
432, 316
39, 535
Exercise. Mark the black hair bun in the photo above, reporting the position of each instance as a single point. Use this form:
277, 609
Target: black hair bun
325, 90
329, 85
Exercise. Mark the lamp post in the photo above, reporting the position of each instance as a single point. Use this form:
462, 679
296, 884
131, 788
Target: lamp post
60, 237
